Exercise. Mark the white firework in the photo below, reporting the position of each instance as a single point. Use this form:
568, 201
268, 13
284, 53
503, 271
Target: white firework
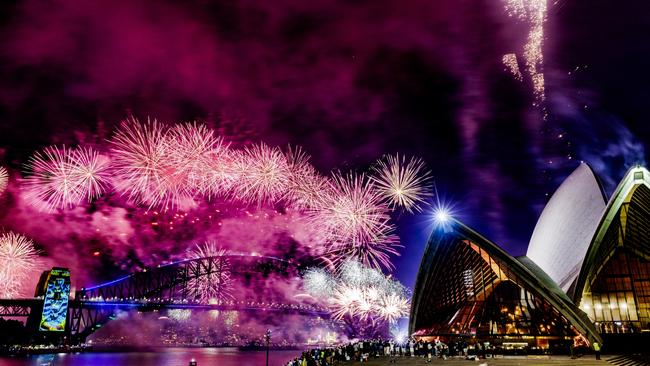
179, 314
358, 292
53, 180
392, 307
318, 282
18, 259
403, 183
91, 172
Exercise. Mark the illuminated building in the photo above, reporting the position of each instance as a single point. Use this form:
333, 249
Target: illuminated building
468, 286
587, 272
613, 287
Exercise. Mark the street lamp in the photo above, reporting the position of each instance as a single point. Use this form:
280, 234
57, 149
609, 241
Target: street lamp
267, 338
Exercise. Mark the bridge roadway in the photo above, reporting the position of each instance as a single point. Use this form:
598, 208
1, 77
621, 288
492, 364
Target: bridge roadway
22, 307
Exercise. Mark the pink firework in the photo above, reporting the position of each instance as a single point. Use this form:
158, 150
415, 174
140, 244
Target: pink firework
204, 161
263, 175
63, 177
144, 170
190, 148
375, 254
403, 183
4, 179
356, 222
220, 172
53, 181
212, 282
307, 187
18, 259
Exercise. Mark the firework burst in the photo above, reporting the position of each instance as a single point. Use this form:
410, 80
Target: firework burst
219, 171
356, 223
307, 187
263, 175
345, 302
358, 294
18, 258
144, 168
4, 179
318, 282
190, 147
90, 172
53, 180
392, 307
214, 283
403, 184
354, 210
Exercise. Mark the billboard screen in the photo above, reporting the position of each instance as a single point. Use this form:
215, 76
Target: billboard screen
55, 306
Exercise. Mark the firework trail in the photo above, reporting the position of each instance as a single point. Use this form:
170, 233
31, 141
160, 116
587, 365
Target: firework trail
535, 13
403, 184
510, 61
263, 175
4, 179
145, 169
18, 258
214, 286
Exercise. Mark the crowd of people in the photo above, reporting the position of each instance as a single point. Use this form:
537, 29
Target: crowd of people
363, 350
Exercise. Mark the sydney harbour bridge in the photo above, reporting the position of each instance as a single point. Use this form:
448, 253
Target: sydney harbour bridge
169, 286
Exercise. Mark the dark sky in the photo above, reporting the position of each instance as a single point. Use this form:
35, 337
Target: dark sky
349, 81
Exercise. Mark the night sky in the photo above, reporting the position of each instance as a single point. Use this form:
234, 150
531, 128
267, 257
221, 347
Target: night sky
348, 81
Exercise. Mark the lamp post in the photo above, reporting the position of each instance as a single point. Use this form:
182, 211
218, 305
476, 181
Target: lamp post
267, 338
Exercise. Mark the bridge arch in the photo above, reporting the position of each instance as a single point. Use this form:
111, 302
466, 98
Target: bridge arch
170, 286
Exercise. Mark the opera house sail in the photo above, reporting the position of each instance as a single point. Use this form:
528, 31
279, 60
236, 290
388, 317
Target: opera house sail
586, 274
614, 283
468, 286
567, 224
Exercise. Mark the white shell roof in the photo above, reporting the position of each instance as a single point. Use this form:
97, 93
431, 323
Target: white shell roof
566, 226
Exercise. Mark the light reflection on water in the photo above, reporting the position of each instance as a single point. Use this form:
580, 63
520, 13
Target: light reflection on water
161, 357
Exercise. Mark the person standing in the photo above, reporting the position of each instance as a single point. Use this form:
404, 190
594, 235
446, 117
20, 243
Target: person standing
597, 350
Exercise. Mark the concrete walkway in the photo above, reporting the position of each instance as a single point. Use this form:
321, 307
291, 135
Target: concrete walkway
589, 360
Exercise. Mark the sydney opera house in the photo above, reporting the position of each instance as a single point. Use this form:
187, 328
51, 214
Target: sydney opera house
585, 276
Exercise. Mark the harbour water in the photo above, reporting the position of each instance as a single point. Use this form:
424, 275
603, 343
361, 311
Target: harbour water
158, 357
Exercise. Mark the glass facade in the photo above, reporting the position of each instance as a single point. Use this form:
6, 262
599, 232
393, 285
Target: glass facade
468, 287
616, 296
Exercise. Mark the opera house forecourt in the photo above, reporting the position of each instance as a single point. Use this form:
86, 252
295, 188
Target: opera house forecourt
585, 277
